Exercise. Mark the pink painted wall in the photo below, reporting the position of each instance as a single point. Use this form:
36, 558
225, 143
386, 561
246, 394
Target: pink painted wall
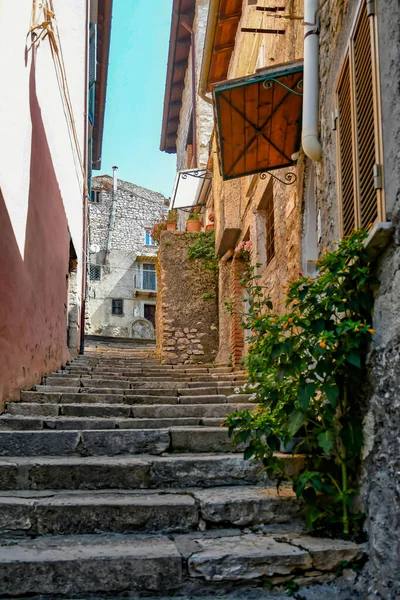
33, 287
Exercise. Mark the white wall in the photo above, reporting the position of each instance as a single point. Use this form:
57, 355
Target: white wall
15, 121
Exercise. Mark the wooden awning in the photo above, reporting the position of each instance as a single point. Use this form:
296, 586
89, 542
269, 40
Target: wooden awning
259, 120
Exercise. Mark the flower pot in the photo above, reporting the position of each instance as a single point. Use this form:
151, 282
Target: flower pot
171, 226
210, 227
193, 225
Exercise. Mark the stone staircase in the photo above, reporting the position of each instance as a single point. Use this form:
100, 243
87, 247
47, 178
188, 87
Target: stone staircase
117, 478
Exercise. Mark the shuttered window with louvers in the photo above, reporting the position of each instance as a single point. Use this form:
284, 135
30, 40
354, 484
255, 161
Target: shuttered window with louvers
365, 127
358, 127
346, 152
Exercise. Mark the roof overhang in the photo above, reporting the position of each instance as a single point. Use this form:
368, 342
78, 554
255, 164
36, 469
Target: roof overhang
103, 52
259, 120
222, 24
179, 48
188, 188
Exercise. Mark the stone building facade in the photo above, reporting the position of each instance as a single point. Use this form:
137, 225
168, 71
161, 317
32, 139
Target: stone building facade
359, 43
122, 285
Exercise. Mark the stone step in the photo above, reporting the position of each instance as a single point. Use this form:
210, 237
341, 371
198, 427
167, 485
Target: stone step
134, 472
126, 511
24, 423
86, 442
49, 398
114, 406
84, 564
112, 563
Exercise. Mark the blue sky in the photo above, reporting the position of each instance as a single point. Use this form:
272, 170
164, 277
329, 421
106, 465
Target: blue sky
135, 95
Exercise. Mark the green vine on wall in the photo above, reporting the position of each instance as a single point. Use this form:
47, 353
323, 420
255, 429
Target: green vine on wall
203, 248
306, 368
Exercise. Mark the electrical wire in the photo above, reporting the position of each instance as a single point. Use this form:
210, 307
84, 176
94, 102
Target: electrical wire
49, 28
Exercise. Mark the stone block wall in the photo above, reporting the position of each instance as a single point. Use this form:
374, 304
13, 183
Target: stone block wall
136, 209
380, 491
187, 313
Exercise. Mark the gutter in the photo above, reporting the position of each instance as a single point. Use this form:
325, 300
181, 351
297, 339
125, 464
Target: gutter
309, 137
208, 48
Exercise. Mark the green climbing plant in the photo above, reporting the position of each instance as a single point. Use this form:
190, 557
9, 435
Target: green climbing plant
306, 368
203, 248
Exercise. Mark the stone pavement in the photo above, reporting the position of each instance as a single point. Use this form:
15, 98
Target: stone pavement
116, 478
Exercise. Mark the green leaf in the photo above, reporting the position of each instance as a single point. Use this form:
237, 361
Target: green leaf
304, 393
331, 392
318, 326
326, 440
248, 453
354, 359
296, 420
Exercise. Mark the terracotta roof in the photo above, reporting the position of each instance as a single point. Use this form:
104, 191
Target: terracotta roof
179, 47
103, 52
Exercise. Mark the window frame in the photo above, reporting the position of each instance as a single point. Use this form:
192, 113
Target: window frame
142, 270
147, 234
117, 314
98, 269
95, 191
270, 250
377, 115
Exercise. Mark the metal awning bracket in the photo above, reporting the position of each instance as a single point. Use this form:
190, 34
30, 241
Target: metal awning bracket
267, 85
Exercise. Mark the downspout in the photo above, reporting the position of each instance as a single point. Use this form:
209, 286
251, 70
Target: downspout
208, 47
85, 198
310, 141
194, 118
113, 209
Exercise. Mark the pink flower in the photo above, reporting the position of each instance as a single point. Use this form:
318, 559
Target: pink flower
239, 247
248, 245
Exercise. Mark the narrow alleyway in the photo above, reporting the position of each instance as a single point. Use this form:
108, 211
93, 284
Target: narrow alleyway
118, 444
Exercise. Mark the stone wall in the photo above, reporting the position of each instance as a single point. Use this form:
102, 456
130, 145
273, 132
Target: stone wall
187, 314
136, 209
204, 111
240, 204
381, 468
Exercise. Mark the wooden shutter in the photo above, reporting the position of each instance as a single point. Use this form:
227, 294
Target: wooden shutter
358, 129
364, 119
346, 151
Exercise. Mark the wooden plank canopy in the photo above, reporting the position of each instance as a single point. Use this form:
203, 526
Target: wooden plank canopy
259, 120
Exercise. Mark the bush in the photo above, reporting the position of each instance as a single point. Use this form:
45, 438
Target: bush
306, 368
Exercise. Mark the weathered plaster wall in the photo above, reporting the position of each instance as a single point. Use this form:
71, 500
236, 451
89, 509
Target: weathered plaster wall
204, 111
380, 480
41, 192
187, 321
136, 209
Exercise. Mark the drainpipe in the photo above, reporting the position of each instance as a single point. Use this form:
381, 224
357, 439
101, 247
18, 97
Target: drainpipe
113, 207
310, 142
194, 118
208, 46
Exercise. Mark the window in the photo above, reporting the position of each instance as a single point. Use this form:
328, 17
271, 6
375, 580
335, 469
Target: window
148, 239
117, 307
95, 196
95, 272
358, 129
149, 277
270, 229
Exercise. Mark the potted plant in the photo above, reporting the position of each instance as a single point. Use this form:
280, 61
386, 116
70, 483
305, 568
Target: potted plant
210, 225
193, 224
172, 219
